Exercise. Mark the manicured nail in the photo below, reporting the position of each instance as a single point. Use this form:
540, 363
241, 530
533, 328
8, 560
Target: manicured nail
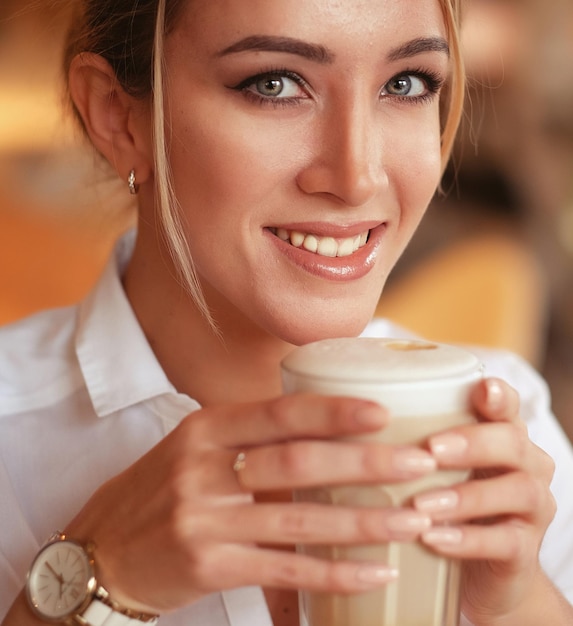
408, 523
448, 447
370, 415
494, 394
443, 536
438, 501
414, 461
376, 574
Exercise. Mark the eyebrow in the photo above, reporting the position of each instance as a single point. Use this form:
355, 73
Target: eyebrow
265, 43
320, 54
419, 46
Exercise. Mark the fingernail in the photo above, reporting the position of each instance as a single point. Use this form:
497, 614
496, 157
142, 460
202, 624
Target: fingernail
408, 522
494, 394
376, 574
414, 461
448, 447
443, 535
438, 501
371, 415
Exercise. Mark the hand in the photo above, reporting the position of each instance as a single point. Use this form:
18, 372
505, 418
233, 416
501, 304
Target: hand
497, 520
180, 523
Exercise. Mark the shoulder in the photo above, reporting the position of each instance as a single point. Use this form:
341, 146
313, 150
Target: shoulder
37, 358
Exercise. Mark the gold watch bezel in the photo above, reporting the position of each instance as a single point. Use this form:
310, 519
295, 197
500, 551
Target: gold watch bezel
59, 539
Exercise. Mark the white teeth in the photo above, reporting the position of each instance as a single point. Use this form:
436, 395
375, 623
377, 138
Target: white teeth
323, 246
327, 247
297, 239
310, 243
346, 247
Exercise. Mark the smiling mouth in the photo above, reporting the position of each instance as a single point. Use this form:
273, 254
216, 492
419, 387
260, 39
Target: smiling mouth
322, 246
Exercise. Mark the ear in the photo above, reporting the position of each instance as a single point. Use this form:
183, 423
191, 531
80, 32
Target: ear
118, 124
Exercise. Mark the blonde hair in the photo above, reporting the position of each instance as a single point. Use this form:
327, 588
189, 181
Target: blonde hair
130, 35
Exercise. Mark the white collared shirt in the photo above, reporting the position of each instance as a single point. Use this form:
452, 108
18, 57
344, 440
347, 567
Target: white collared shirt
82, 397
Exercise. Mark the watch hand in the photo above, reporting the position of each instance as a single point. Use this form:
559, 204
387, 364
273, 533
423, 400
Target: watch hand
59, 577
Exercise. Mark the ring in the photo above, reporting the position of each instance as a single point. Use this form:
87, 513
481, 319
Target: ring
240, 462
238, 466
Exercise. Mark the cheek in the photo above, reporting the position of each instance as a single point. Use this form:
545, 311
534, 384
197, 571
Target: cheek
222, 164
418, 169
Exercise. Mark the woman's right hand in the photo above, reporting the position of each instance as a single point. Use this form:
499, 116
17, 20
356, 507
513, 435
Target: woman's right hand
181, 523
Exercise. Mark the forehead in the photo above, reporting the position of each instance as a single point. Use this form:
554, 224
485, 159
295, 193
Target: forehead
347, 25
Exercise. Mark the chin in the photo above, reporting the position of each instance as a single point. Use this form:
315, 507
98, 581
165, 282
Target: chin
306, 329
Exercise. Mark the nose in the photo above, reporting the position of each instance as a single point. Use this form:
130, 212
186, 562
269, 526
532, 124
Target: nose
346, 161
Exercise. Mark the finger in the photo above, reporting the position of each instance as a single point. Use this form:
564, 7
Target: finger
229, 566
309, 524
490, 445
508, 541
284, 418
495, 400
304, 464
514, 494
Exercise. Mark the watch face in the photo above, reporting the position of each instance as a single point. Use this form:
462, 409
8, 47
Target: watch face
60, 579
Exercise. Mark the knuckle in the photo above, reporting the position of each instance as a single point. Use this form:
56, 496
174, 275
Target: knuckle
299, 524
201, 568
547, 465
286, 573
518, 544
551, 506
531, 491
282, 411
372, 461
336, 578
296, 460
369, 527
192, 429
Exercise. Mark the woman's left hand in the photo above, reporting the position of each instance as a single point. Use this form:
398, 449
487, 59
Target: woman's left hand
495, 521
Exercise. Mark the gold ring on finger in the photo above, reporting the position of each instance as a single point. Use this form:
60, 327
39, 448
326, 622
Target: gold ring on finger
239, 465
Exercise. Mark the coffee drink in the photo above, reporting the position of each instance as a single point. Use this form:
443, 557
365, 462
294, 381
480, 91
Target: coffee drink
425, 386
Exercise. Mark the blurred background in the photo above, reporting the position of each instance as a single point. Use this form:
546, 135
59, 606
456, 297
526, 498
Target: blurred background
491, 265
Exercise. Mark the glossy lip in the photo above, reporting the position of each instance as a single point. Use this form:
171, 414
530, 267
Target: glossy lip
343, 269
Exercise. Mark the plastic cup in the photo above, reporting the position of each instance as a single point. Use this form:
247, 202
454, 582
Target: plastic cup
425, 386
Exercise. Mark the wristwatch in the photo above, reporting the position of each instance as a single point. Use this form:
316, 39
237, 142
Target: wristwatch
62, 588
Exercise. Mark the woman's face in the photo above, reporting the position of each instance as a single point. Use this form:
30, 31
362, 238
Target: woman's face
304, 142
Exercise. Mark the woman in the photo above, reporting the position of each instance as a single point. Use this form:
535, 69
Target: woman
289, 149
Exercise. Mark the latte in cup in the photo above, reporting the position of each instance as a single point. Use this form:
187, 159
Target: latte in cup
425, 386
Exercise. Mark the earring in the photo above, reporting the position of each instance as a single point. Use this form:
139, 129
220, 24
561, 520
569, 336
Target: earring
133, 186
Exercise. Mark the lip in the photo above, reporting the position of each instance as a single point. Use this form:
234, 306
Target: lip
341, 269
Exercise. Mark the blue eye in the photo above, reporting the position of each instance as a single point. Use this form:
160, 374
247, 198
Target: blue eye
406, 85
276, 87
413, 86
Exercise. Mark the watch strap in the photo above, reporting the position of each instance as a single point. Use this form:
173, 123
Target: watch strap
100, 614
104, 612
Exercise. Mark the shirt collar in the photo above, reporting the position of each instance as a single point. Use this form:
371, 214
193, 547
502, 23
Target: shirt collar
117, 363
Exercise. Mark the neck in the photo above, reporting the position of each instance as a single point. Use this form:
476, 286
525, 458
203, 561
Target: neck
241, 365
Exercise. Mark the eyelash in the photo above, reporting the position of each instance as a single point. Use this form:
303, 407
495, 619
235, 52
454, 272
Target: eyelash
433, 81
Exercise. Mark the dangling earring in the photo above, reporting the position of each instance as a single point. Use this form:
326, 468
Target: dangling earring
133, 186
